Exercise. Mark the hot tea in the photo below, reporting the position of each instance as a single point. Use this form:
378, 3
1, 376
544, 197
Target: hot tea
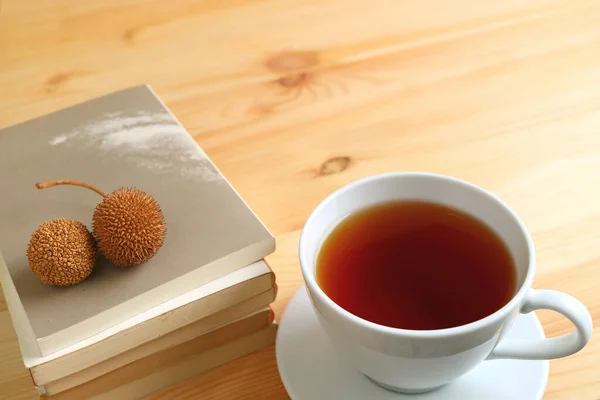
416, 265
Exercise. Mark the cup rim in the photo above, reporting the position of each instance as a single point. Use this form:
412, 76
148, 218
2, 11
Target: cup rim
315, 289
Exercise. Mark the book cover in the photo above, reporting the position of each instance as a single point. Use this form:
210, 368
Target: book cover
127, 138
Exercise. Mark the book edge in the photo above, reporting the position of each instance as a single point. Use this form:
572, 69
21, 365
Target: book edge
200, 292
20, 322
258, 313
268, 333
258, 340
85, 101
47, 374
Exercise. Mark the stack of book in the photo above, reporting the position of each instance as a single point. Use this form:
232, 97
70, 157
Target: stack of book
124, 332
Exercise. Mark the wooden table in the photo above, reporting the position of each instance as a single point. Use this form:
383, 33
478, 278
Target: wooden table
293, 99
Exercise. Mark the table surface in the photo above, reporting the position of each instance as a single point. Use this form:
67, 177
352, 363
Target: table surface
293, 99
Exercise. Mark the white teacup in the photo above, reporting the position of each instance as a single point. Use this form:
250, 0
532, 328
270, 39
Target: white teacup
412, 361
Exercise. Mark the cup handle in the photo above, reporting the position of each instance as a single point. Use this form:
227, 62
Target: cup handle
557, 347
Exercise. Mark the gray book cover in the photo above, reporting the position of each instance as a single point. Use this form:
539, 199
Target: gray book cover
127, 138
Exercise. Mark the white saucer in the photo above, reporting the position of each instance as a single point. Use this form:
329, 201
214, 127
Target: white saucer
311, 370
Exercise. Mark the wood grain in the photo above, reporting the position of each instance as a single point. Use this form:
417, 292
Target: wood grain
293, 99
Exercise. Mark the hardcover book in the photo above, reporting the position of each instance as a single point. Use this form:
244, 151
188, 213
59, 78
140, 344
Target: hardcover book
124, 139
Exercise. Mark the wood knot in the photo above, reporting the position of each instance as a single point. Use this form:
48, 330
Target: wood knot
334, 165
130, 34
293, 67
294, 80
55, 81
287, 62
